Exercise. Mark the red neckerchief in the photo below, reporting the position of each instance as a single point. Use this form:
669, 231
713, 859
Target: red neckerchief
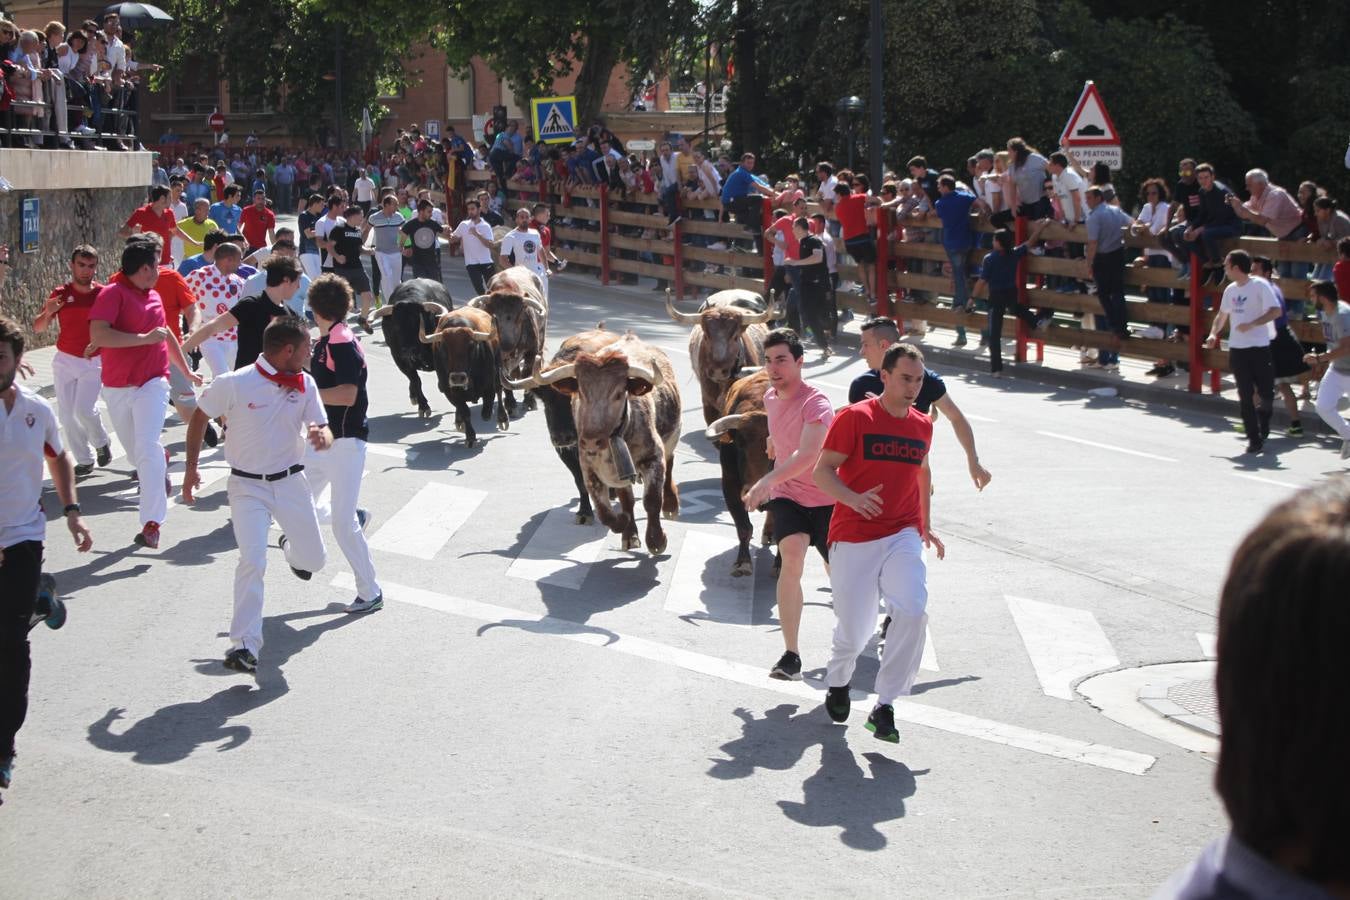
294, 382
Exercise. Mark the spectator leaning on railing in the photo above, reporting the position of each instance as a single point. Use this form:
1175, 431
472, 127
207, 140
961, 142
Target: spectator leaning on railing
1215, 222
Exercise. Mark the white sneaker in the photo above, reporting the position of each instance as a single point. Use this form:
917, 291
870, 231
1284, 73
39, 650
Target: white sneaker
85, 129
362, 606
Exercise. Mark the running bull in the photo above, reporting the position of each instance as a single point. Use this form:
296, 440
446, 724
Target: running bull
728, 336
515, 300
414, 308
468, 365
741, 436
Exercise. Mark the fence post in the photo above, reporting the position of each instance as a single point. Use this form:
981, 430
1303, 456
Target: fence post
883, 285
677, 249
1196, 376
604, 234
766, 220
1020, 346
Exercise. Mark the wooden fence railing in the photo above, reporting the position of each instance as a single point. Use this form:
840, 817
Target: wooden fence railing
599, 224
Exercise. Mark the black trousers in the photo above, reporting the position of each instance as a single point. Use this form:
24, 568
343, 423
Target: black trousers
479, 273
1000, 301
18, 596
815, 312
1254, 371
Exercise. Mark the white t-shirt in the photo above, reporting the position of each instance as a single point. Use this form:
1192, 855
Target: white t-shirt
1246, 303
28, 434
1154, 215
826, 191
180, 212
322, 228
525, 244
364, 190
1066, 183
475, 252
267, 422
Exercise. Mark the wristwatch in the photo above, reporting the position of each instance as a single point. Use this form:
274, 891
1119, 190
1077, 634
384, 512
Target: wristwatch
71, 508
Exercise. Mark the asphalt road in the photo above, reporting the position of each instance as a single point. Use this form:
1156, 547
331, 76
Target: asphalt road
539, 713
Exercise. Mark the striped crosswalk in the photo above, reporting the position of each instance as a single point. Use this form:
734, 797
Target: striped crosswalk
427, 521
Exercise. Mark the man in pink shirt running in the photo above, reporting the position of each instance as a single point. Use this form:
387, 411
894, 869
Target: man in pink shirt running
799, 415
127, 323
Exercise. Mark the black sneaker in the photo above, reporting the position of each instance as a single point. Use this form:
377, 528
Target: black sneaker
299, 573
838, 703
6, 769
788, 667
241, 660
362, 517
1295, 429
1254, 446
103, 455
881, 636
211, 438
83, 469
882, 724
49, 608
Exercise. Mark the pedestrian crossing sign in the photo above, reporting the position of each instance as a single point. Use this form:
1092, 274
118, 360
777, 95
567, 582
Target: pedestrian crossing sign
554, 118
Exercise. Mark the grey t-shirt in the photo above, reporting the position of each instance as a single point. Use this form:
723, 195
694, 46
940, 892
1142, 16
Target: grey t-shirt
1336, 327
386, 230
1030, 179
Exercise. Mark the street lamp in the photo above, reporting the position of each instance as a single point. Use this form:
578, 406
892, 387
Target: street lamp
849, 109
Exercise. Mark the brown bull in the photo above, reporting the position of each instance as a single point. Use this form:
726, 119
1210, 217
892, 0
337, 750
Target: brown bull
515, 300
728, 336
468, 363
626, 406
741, 436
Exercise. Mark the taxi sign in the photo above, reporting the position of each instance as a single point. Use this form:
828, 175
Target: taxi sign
554, 118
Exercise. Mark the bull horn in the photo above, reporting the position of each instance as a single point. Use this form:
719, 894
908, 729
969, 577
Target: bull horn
422, 334
387, 310
481, 335
754, 318
723, 425
523, 384
652, 376
535, 305
568, 370
475, 301
677, 316
434, 308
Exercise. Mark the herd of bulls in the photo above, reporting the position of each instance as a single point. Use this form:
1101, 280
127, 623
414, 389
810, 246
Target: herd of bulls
611, 401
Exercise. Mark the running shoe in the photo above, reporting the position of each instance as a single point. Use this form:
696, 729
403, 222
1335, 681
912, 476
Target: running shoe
6, 770
1295, 429
1255, 446
363, 518
83, 469
838, 703
364, 606
149, 536
49, 609
103, 455
299, 573
788, 667
882, 724
241, 660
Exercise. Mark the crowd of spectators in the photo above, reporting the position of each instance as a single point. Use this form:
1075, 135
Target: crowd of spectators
71, 88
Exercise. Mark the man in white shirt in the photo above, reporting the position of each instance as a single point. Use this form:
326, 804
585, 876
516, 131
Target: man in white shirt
670, 182
332, 218
363, 191
1249, 304
1069, 186
273, 407
522, 246
28, 433
387, 224
476, 237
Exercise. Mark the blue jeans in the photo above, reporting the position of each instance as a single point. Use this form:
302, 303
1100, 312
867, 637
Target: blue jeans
961, 286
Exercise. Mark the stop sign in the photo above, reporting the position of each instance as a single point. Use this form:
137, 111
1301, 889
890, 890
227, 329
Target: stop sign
217, 121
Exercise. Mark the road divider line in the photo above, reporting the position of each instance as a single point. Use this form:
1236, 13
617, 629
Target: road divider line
427, 522
1064, 643
1271, 481
1072, 749
1112, 447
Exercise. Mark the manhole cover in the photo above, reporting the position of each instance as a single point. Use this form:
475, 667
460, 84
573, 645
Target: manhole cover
1197, 698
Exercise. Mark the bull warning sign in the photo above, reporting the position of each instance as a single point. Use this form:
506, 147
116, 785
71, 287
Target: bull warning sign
1090, 133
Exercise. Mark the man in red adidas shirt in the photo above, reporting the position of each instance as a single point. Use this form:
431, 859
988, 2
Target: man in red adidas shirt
875, 465
78, 377
154, 217
257, 223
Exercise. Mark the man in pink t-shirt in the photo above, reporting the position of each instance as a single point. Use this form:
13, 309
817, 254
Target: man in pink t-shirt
127, 324
799, 415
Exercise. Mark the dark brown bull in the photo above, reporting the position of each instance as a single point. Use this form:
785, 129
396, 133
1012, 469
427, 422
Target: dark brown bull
468, 364
626, 406
741, 435
515, 300
728, 336
415, 305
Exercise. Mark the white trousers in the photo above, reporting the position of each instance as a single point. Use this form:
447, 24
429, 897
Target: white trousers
890, 570
391, 272
253, 506
312, 265
137, 415
339, 468
219, 355
78, 382
1333, 387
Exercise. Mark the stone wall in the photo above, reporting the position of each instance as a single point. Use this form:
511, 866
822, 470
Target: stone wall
85, 197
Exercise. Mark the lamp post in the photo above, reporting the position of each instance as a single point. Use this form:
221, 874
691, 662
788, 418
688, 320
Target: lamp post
849, 108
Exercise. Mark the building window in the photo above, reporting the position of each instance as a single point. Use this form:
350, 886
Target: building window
458, 97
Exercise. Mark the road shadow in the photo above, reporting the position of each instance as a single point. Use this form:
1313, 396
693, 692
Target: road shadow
202, 549
926, 686
172, 733
550, 626
775, 742
94, 573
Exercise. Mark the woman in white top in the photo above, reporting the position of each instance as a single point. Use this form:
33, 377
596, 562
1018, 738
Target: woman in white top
1152, 219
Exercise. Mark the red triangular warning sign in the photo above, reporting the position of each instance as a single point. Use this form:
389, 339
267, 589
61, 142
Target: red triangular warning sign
1090, 125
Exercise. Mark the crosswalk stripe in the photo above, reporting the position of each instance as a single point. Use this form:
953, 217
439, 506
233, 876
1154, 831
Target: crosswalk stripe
1064, 643
427, 522
394, 451
1209, 644
702, 584
560, 552
1044, 743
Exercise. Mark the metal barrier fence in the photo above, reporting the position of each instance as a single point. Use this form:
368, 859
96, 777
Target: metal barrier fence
33, 120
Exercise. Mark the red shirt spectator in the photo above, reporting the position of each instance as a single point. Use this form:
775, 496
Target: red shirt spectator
127, 309
163, 224
254, 224
852, 215
74, 317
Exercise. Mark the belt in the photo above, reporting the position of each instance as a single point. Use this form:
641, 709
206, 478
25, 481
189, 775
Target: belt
275, 476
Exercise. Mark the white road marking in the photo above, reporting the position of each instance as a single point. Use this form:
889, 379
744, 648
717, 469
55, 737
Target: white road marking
1209, 644
1280, 484
560, 551
1064, 643
396, 451
1052, 745
1112, 447
702, 584
929, 660
427, 521
974, 418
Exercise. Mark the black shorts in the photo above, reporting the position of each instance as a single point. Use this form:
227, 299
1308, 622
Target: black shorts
790, 517
863, 249
355, 277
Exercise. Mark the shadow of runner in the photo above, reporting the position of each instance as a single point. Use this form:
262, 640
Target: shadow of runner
171, 733
777, 742
840, 795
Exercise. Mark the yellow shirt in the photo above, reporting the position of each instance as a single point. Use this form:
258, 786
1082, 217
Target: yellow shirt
198, 232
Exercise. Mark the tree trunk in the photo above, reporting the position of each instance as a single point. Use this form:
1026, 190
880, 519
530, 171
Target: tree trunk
602, 55
749, 123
